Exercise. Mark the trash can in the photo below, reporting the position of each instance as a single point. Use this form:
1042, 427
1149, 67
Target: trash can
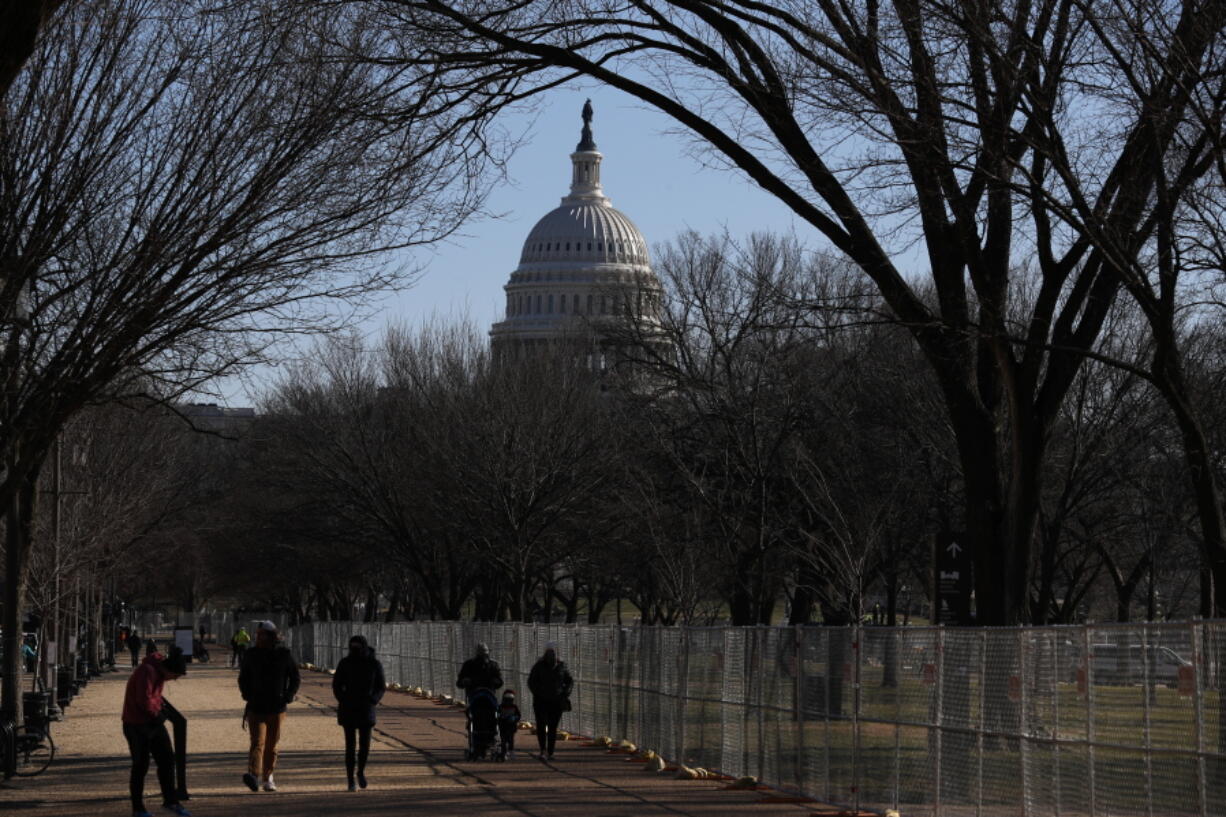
35, 705
65, 685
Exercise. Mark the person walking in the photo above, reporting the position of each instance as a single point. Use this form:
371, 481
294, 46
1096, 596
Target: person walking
358, 686
508, 724
134, 642
239, 644
268, 680
479, 672
144, 728
551, 685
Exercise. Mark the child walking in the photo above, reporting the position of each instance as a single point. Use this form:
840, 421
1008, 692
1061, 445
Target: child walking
508, 723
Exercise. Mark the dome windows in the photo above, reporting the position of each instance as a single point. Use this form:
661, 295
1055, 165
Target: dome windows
574, 233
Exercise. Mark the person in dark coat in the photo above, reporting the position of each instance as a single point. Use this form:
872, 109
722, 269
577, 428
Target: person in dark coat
134, 642
479, 672
550, 684
358, 686
268, 680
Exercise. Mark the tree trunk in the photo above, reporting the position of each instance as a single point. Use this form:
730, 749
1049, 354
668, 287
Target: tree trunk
1001, 523
1208, 506
371, 613
802, 599
890, 661
18, 516
393, 604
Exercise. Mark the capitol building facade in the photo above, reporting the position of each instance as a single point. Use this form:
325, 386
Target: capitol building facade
584, 274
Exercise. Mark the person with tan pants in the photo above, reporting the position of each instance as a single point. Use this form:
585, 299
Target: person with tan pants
269, 681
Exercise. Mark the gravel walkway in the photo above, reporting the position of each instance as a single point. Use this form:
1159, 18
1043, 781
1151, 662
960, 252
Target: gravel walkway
416, 766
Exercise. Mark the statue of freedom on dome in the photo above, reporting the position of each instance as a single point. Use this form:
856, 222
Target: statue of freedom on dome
585, 140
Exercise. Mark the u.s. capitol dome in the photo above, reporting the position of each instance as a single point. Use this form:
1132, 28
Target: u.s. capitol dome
584, 271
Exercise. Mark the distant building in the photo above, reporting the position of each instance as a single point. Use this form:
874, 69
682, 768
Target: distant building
584, 275
217, 419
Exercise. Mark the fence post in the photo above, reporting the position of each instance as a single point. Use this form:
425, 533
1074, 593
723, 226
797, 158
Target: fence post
757, 680
683, 689
1022, 721
896, 795
938, 718
1148, 690
1057, 666
983, 698
856, 635
825, 651
1088, 664
613, 642
1198, 712
798, 712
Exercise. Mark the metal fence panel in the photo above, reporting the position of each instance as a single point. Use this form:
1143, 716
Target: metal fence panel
1097, 720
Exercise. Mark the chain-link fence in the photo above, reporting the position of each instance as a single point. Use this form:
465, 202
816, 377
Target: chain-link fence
1094, 720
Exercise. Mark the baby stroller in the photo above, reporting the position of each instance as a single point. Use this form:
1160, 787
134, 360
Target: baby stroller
482, 715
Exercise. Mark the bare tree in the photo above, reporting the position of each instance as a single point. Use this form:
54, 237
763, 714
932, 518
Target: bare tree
181, 184
530, 458
116, 477
728, 354
986, 133
21, 21
355, 429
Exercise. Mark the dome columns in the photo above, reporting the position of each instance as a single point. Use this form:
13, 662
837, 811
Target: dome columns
585, 178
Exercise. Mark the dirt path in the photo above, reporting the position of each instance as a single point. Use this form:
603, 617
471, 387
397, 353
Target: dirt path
416, 766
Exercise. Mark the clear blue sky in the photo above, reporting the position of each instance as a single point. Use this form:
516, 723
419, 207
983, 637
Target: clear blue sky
648, 174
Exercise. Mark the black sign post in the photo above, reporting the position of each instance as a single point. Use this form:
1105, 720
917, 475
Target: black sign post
953, 581
179, 722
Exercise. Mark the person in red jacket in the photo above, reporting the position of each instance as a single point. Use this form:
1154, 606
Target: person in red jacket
144, 727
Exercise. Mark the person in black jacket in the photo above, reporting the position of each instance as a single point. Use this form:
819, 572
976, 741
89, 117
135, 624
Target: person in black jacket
358, 686
268, 680
550, 684
479, 672
133, 644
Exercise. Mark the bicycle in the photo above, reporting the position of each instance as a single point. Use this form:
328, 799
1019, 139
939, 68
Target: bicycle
32, 746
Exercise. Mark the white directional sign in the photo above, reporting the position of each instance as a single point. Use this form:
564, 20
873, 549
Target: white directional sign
953, 581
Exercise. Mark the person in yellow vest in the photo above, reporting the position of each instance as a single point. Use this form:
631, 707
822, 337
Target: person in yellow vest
239, 643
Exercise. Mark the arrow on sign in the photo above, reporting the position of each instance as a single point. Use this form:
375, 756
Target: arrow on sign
953, 549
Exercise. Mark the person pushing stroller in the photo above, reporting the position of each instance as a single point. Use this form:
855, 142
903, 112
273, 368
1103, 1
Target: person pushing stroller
479, 677
479, 672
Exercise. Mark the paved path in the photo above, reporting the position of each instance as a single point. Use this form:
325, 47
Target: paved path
416, 766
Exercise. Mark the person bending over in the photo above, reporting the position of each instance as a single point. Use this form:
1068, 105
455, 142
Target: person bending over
144, 728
